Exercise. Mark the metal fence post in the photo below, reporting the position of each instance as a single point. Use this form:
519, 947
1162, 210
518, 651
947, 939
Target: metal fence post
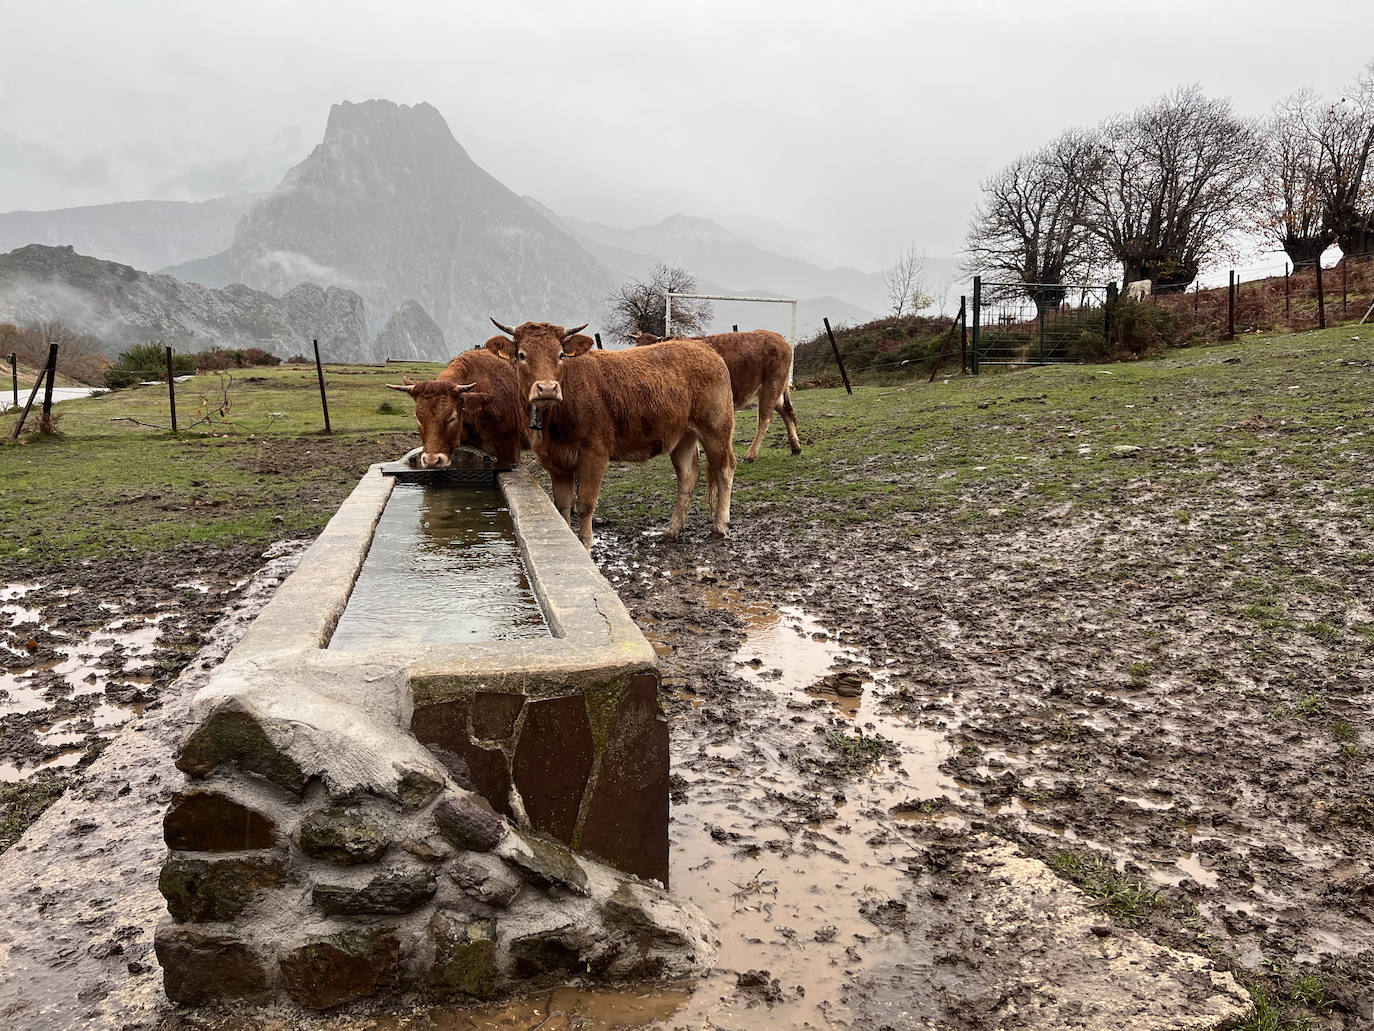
1321, 297
1287, 292
963, 334
734, 329
14, 376
1108, 310
598, 341
319, 371
838, 360
977, 311
171, 390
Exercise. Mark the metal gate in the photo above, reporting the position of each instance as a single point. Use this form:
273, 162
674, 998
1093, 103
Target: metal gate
1039, 323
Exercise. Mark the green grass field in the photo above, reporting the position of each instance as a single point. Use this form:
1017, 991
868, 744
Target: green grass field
974, 452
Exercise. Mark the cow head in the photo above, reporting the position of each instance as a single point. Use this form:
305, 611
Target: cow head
539, 350
644, 339
440, 408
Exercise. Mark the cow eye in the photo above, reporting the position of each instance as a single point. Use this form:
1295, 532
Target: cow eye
520, 355
452, 419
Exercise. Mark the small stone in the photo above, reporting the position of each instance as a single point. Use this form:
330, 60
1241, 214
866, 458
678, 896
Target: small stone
202, 966
547, 952
417, 789
469, 823
630, 910
207, 821
494, 715
464, 955
485, 878
231, 735
427, 850
202, 890
333, 969
1102, 930
343, 836
397, 891
547, 864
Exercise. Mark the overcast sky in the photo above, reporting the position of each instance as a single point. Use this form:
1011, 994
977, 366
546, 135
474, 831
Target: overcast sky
835, 131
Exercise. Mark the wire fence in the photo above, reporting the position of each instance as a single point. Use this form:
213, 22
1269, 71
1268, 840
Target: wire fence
1039, 324
1307, 295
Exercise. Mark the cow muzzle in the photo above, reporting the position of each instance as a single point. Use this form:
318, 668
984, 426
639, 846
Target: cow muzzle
434, 461
546, 392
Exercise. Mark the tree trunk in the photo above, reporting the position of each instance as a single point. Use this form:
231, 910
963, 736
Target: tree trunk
1303, 250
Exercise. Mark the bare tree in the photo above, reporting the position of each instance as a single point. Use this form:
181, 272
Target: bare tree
639, 306
1293, 207
1032, 225
1343, 133
905, 280
1177, 186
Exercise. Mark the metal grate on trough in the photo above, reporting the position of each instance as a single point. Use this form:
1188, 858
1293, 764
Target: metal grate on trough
468, 468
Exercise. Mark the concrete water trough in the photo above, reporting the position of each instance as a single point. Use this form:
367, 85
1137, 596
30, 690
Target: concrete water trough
400, 797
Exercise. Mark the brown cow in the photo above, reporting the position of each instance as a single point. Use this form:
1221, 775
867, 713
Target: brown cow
476, 402
759, 362
589, 408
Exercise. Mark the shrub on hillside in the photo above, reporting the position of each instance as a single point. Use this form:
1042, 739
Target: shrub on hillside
1143, 326
146, 362
220, 358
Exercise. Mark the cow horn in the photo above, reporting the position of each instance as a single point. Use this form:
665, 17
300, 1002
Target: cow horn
574, 332
504, 329
461, 387
409, 388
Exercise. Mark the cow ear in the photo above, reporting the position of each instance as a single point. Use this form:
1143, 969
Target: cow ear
578, 343
498, 346
408, 388
474, 400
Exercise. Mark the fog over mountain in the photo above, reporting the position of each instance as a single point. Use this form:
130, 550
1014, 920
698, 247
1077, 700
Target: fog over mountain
120, 306
146, 234
390, 206
399, 244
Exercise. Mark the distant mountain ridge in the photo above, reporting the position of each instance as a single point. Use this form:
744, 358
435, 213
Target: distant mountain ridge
389, 208
389, 205
146, 234
120, 305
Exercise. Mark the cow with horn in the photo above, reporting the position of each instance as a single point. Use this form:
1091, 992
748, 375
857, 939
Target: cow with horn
474, 402
588, 408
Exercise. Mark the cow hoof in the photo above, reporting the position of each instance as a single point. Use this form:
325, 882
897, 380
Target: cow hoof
796, 451
717, 535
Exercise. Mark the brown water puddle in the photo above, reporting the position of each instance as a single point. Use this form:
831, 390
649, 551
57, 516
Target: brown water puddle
118, 654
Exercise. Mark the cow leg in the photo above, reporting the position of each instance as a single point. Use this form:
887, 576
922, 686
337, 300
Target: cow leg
590, 472
789, 419
771, 391
684, 455
720, 468
563, 494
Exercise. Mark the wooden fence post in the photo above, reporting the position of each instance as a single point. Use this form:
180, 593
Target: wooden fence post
42, 375
1321, 297
838, 360
597, 337
14, 376
1231, 306
45, 421
1345, 282
319, 371
171, 389
1287, 291
947, 343
734, 329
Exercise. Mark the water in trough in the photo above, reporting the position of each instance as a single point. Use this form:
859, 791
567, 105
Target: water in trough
444, 567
